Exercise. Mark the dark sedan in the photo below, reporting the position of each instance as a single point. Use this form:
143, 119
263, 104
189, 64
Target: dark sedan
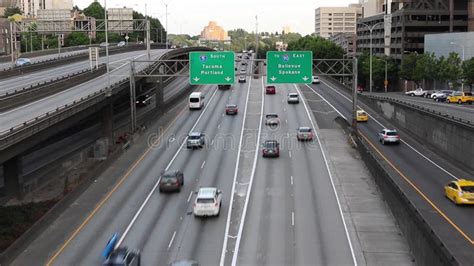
171, 180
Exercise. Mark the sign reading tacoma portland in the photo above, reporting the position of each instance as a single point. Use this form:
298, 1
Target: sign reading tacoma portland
289, 67
211, 68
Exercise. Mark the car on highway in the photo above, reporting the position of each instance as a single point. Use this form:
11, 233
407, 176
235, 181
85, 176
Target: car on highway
460, 97
362, 116
122, 256
242, 79
243, 70
315, 80
196, 100
143, 100
195, 140
121, 43
244, 63
293, 98
208, 202
223, 86
271, 148
103, 44
428, 93
304, 134
231, 109
171, 181
270, 89
417, 92
22, 62
440, 93
460, 191
272, 119
387, 136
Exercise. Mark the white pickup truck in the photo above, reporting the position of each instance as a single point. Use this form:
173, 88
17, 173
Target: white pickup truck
417, 92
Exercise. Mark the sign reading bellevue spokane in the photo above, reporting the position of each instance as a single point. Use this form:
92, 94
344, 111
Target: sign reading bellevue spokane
289, 67
211, 68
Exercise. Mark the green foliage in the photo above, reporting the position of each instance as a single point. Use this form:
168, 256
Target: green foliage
10, 11
322, 48
407, 69
76, 38
94, 10
451, 69
468, 72
15, 220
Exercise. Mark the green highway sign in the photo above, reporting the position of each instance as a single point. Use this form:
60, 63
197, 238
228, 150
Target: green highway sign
211, 68
289, 67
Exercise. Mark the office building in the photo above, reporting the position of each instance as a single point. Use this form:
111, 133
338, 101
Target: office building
330, 21
402, 27
347, 41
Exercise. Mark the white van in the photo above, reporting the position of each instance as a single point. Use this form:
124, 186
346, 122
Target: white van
196, 100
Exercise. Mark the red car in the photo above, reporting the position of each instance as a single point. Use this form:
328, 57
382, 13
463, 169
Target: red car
271, 148
270, 90
231, 109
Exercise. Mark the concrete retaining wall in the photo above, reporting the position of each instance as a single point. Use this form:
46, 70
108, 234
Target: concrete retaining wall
448, 138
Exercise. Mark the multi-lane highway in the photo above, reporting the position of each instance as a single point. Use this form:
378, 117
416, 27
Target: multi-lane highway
119, 71
420, 173
42, 58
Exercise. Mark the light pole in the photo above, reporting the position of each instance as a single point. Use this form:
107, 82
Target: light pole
106, 39
166, 14
385, 82
371, 28
462, 47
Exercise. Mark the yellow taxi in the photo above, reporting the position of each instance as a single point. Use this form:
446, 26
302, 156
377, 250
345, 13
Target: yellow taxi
362, 116
460, 191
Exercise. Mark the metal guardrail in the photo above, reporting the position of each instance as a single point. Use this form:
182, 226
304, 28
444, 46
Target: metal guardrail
455, 119
16, 92
427, 110
43, 121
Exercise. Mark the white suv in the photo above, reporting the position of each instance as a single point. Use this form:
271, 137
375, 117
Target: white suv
293, 98
208, 202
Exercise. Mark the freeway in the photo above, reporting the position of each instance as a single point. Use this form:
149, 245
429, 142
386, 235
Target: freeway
27, 112
294, 210
42, 58
464, 112
418, 172
31, 79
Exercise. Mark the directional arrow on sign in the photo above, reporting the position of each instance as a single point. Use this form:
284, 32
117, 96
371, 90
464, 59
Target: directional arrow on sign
196, 79
273, 78
227, 79
305, 78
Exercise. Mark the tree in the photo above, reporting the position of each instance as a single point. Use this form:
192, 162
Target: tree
468, 72
452, 69
94, 10
10, 11
322, 48
407, 69
76, 38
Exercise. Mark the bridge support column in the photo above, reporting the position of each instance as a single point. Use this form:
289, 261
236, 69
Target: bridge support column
108, 124
159, 96
13, 175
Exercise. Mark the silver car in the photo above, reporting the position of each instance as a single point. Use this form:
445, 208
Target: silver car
389, 136
195, 140
272, 119
293, 98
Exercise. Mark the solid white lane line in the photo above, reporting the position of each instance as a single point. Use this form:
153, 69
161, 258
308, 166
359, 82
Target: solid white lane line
291, 178
202, 165
330, 176
380, 124
158, 181
190, 195
172, 239
293, 218
324, 99
227, 225
252, 175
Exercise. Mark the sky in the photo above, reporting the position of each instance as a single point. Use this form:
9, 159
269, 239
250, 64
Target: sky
190, 16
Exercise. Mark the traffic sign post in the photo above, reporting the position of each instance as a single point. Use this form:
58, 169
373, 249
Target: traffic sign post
211, 68
289, 67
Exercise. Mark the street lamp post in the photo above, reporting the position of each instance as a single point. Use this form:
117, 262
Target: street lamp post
106, 38
462, 47
385, 82
370, 30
